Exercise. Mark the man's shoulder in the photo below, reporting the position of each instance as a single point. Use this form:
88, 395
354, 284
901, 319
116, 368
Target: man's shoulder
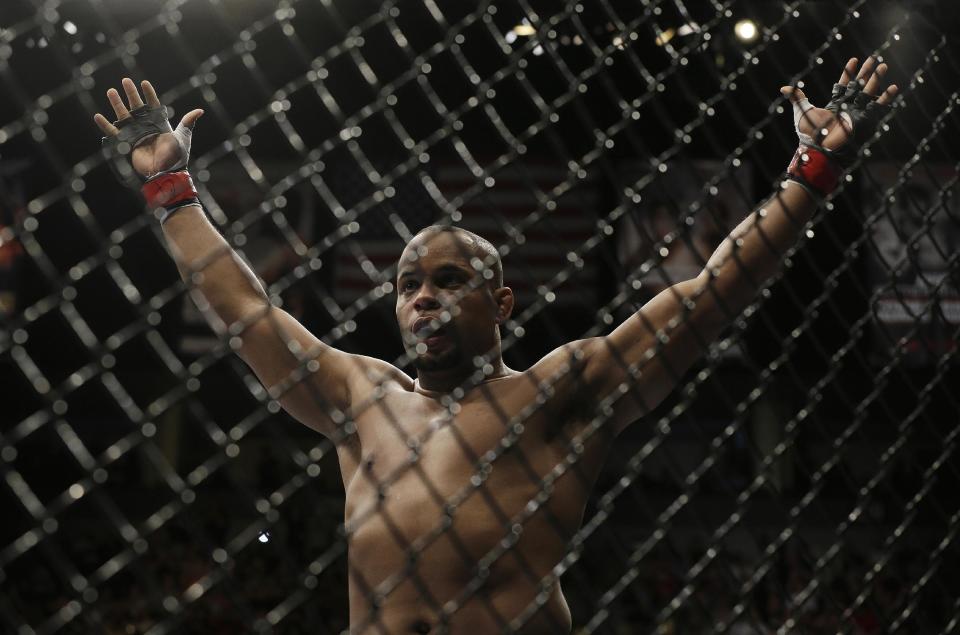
370, 374
564, 360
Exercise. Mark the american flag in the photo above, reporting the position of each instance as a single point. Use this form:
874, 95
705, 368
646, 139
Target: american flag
499, 210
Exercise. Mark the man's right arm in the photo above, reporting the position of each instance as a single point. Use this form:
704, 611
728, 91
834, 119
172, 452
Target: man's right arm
308, 378
311, 380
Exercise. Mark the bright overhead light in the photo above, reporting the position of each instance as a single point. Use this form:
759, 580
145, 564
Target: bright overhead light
746, 30
665, 36
525, 29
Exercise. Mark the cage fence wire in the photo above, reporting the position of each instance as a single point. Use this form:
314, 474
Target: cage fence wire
801, 477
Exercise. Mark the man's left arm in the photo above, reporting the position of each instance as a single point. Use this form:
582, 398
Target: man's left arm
641, 361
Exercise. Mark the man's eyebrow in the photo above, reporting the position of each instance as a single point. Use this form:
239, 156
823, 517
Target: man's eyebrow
407, 269
454, 268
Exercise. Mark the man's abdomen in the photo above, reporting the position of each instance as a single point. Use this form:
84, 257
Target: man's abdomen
412, 563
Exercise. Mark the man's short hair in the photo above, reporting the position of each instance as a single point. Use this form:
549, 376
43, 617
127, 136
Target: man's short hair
480, 246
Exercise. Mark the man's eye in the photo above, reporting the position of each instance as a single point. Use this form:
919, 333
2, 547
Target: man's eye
408, 285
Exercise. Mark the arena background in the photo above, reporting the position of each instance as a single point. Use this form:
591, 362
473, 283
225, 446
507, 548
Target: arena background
802, 478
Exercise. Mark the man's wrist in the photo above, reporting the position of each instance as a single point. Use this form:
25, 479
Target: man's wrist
170, 191
815, 170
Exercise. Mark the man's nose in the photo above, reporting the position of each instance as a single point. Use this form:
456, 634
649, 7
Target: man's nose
426, 299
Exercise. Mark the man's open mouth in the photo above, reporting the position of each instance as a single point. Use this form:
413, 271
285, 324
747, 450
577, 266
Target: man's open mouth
430, 331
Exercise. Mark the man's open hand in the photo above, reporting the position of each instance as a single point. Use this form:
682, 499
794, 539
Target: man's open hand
833, 128
156, 153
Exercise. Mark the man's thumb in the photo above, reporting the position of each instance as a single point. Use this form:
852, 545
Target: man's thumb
190, 119
793, 93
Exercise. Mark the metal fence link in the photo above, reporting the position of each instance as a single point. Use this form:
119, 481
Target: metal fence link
799, 477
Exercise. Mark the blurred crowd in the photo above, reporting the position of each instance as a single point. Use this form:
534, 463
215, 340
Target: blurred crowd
790, 598
785, 595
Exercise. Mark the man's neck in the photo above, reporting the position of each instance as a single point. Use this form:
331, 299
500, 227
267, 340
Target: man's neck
446, 381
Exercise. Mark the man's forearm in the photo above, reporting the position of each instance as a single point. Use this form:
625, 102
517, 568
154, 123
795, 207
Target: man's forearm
209, 265
752, 253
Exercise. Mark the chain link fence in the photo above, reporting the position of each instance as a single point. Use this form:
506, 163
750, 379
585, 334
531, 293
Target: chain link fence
801, 478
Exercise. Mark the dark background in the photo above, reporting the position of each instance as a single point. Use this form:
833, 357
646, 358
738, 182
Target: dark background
178, 454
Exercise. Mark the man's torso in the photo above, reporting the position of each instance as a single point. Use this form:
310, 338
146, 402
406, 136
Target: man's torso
465, 506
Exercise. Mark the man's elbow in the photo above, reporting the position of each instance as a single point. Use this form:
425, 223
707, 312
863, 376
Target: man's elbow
716, 300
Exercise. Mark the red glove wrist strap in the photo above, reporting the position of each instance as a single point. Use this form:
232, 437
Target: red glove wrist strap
814, 169
170, 190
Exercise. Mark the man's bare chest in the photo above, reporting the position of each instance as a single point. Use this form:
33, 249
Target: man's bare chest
414, 447
439, 477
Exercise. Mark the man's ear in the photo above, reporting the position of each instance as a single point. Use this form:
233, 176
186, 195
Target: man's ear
504, 299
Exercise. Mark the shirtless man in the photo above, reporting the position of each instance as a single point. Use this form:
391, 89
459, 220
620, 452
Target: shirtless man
464, 484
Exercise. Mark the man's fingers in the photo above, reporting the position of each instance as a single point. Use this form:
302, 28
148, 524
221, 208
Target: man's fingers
150, 93
107, 128
119, 109
866, 70
792, 93
873, 84
848, 71
888, 95
191, 117
133, 95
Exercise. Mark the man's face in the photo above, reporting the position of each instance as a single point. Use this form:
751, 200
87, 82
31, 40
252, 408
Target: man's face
442, 319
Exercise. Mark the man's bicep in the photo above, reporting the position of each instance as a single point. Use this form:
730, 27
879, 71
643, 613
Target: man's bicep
641, 361
309, 378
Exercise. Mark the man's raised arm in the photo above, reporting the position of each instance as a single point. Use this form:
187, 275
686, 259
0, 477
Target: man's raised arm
147, 153
652, 349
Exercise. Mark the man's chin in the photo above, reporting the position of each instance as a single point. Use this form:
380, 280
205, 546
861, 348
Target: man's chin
442, 360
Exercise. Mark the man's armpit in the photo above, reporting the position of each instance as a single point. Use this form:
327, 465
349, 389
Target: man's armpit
561, 384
